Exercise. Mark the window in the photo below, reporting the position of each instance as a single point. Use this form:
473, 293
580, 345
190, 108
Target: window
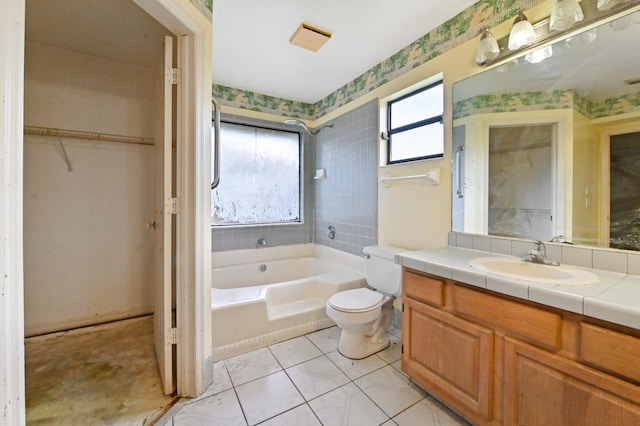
414, 125
259, 177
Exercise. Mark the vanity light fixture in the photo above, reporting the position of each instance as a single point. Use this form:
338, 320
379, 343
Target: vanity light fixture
565, 13
567, 16
487, 48
522, 34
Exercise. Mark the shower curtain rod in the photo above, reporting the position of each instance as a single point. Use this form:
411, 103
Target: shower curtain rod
78, 134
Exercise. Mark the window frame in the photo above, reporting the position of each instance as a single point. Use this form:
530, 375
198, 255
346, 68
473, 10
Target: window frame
413, 125
276, 128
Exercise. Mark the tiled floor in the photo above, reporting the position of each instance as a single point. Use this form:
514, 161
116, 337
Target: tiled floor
305, 381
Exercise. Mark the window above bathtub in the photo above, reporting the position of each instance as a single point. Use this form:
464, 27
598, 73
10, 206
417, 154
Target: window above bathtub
259, 177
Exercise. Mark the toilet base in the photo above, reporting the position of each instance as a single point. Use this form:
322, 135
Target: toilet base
358, 345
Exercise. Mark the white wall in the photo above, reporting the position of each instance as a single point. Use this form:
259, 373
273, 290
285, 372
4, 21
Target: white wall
88, 253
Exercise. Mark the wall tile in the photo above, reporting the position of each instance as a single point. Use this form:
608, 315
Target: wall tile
577, 256
610, 260
348, 198
501, 246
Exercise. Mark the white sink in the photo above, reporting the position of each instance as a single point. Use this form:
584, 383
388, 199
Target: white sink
513, 267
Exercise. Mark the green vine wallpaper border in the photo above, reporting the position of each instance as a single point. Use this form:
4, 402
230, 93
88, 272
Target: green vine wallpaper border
546, 100
452, 33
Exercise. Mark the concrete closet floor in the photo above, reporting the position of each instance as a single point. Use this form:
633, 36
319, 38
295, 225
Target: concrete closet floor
106, 374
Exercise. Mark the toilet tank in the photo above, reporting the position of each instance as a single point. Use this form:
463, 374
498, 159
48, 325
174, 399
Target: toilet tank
383, 274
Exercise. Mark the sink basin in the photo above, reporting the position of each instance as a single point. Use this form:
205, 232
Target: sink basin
513, 267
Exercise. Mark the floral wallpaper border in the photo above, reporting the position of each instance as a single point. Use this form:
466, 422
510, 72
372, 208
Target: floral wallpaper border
546, 100
457, 30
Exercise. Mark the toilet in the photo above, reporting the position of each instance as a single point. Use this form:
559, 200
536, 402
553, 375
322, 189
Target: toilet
364, 314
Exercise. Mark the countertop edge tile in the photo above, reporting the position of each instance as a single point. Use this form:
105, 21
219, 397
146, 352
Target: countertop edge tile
550, 296
519, 289
612, 312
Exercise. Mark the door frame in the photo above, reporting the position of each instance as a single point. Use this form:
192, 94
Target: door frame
477, 171
195, 359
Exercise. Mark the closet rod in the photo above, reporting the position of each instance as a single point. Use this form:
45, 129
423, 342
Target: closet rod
78, 134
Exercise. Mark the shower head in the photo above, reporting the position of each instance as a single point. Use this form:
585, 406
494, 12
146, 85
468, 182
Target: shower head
313, 132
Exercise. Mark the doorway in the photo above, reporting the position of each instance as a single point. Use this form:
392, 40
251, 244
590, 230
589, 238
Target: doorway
624, 186
520, 181
94, 114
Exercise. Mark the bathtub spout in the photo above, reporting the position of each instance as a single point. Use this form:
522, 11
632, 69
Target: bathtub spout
261, 243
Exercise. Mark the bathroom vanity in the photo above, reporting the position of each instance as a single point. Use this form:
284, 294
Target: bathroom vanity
500, 359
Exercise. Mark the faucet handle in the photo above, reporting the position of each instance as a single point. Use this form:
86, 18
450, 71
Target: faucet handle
541, 247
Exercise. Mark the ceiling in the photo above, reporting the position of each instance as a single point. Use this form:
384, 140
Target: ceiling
112, 29
251, 48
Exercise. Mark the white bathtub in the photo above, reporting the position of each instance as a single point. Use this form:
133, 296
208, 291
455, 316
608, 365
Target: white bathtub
263, 302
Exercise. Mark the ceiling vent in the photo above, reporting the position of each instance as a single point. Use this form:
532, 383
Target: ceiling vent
309, 37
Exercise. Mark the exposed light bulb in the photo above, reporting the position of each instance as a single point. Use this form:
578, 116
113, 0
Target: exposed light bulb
487, 48
522, 34
539, 55
565, 13
608, 4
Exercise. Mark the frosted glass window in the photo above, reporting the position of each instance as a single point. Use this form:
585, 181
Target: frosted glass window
259, 177
414, 125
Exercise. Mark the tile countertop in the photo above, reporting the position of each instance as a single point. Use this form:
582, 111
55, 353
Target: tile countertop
614, 298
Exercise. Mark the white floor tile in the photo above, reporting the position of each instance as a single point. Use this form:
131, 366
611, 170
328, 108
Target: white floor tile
392, 423
347, 405
326, 340
390, 390
428, 412
317, 376
221, 382
294, 351
299, 416
394, 351
267, 397
250, 366
398, 366
355, 368
219, 409
396, 332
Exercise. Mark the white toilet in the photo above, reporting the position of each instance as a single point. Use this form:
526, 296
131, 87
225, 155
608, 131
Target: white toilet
364, 314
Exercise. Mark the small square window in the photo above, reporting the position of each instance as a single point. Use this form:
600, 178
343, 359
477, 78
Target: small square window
414, 125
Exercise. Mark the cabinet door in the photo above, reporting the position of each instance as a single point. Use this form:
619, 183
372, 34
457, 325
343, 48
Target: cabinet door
449, 356
544, 389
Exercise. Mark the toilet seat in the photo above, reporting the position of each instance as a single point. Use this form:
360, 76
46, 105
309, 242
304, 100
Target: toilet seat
356, 300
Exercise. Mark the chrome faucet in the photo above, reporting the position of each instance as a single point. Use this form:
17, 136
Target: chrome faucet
261, 242
539, 255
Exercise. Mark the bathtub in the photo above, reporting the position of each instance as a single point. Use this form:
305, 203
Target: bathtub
262, 302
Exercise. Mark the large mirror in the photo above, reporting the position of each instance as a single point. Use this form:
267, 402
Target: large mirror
551, 149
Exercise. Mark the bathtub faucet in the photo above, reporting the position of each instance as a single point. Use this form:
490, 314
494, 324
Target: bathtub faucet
261, 243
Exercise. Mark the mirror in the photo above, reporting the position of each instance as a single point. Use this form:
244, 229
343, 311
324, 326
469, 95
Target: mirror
551, 149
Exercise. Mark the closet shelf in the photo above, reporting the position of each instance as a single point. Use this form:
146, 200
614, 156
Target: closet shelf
77, 134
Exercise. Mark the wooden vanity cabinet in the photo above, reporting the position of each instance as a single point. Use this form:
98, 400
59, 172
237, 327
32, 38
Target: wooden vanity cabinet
498, 360
462, 366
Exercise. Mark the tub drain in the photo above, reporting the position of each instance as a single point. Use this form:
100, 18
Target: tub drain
262, 267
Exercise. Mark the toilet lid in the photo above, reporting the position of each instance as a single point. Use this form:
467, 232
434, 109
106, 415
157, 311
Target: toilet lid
356, 300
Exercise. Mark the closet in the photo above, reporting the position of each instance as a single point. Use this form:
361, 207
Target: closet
94, 77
